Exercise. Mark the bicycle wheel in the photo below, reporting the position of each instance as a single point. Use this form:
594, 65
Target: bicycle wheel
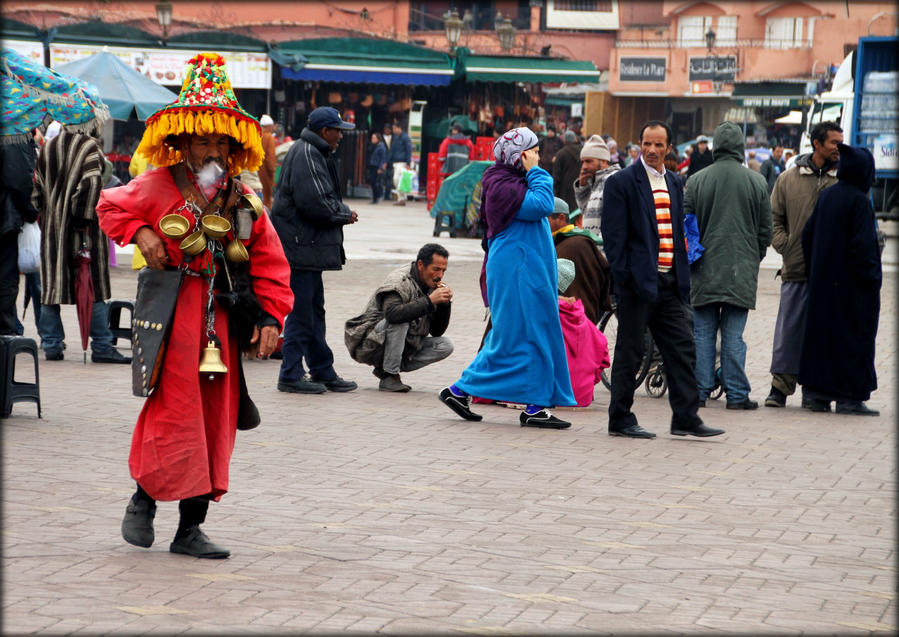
656, 382
608, 325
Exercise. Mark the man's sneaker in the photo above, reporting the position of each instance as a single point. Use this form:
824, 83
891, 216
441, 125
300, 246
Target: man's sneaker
301, 386
336, 384
459, 404
110, 356
543, 419
195, 542
137, 525
776, 398
392, 382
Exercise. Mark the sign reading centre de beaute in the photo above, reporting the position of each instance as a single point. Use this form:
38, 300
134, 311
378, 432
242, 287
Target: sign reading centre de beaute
641, 70
717, 69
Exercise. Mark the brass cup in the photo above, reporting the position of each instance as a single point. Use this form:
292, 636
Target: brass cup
254, 202
174, 226
214, 226
236, 251
194, 243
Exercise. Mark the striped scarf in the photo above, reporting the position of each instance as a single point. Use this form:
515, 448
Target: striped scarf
67, 183
663, 220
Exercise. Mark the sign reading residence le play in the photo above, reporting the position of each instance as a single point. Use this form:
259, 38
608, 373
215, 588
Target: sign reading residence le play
641, 70
717, 69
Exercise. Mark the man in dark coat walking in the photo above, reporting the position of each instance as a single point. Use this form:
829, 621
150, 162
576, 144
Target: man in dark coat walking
309, 215
566, 168
842, 257
701, 157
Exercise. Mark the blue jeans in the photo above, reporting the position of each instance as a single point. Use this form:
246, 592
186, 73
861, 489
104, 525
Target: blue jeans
53, 335
730, 320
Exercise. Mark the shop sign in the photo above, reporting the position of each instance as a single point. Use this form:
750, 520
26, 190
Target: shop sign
702, 86
716, 69
167, 66
632, 69
766, 102
886, 155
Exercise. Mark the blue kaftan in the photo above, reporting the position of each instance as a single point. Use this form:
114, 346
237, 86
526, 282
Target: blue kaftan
523, 358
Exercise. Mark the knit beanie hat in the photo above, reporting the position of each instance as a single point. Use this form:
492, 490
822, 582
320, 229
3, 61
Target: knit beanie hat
566, 274
595, 147
560, 207
569, 136
206, 106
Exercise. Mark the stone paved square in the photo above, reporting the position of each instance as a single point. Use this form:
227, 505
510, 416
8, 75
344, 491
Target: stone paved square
370, 512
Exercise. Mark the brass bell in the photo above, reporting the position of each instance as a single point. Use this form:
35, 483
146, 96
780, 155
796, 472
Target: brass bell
212, 360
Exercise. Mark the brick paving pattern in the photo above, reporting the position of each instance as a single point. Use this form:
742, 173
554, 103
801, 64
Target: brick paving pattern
371, 512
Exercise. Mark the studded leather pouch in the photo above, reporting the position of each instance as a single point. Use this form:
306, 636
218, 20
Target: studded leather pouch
157, 291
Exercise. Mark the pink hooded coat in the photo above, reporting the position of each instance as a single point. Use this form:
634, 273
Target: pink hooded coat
586, 348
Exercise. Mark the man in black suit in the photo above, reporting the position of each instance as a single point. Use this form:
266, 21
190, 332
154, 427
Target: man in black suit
643, 237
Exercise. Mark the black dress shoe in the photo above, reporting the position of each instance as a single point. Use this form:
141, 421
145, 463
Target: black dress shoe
743, 404
459, 404
543, 419
110, 356
631, 431
336, 384
301, 386
701, 430
195, 542
137, 525
817, 405
855, 408
56, 356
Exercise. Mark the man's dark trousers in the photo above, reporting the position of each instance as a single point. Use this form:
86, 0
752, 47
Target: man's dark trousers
671, 326
304, 330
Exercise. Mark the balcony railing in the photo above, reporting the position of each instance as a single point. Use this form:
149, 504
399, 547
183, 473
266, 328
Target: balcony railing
739, 44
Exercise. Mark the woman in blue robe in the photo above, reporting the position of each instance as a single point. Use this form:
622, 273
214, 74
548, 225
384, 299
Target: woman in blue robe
523, 357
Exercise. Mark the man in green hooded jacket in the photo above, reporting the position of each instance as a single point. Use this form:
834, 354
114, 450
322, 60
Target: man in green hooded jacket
733, 212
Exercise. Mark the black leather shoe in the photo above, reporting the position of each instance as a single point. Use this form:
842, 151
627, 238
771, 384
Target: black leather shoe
632, 431
56, 356
392, 382
701, 430
856, 408
195, 542
543, 419
820, 406
336, 384
110, 356
745, 404
301, 386
458, 404
137, 525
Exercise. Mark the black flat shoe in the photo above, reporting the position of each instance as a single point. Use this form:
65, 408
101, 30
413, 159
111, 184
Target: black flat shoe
821, 406
701, 430
745, 404
301, 386
112, 356
196, 543
543, 419
856, 409
459, 404
137, 525
632, 431
336, 384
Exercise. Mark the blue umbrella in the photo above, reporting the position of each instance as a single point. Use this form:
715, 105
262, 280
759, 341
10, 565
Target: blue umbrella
122, 88
33, 95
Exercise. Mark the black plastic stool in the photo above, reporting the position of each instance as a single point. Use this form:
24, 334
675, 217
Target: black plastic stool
12, 391
115, 318
445, 221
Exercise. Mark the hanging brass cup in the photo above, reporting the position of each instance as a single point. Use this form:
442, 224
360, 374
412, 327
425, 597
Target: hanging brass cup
174, 226
236, 251
254, 202
194, 243
214, 226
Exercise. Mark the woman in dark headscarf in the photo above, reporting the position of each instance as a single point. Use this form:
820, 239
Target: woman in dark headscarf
842, 259
523, 357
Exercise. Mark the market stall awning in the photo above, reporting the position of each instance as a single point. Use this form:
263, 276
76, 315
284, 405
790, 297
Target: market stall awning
366, 60
781, 93
497, 68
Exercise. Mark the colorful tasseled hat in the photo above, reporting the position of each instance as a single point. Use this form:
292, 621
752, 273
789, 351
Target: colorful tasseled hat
206, 106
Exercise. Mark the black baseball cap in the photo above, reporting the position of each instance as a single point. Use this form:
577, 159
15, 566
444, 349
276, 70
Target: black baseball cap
327, 117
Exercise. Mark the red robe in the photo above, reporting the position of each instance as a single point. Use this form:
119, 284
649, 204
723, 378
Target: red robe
185, 433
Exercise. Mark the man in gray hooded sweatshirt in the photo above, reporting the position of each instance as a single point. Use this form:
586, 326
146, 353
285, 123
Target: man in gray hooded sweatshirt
733, 213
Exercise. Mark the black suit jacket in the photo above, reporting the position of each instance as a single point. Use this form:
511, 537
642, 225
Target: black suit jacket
630, 232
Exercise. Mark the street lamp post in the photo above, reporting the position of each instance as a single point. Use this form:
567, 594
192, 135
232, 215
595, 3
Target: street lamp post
506, 34
453, 25
164, 17
710, 37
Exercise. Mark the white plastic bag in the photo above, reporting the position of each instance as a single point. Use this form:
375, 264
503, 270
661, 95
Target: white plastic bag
30, 248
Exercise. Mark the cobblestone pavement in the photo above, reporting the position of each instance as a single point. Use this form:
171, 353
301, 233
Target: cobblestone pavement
370, 512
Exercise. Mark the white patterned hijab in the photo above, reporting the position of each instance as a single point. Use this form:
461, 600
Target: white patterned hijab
508, 147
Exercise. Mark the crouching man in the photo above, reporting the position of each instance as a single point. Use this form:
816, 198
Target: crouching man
392, 333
